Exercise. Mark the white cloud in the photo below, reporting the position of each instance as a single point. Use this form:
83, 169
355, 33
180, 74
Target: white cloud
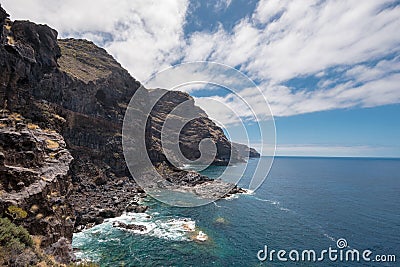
365, 73
311, 36
288, 39
144, 36
286, 102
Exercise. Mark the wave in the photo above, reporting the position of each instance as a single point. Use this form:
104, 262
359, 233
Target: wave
284, 209
175, 229
247, 192
234, 196
215, 203
330, 237
307, 222
273, 202
158, 226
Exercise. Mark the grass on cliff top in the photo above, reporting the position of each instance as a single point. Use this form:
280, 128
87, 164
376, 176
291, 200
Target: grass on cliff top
84, 60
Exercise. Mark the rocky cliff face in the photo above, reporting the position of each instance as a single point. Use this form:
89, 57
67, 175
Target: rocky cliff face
194, 130
245, 151
61, 158
34, 181
82, 95
80, 99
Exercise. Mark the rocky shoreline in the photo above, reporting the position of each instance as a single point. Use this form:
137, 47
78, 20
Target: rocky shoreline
92, 208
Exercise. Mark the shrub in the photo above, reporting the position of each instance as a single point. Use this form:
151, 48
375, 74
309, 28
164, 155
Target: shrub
12, 236
16, 212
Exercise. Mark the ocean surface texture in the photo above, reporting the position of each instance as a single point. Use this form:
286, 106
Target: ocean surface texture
304, 204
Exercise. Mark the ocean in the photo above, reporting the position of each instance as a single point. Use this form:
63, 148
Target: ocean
304, 204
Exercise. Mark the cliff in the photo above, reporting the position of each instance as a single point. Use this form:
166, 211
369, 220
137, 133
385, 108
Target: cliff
79, 100
62, 104
34, 181
245, 151
194, 131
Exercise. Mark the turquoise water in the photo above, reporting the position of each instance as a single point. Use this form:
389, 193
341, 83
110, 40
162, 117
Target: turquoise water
305, 203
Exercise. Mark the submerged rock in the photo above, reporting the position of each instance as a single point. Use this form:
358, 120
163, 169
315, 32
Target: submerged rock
201, 236
136, 208
221, 220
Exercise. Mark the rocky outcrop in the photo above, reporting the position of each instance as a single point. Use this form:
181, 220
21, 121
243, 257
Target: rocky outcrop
194, 130
34, 180
3, 16
130, 227
245, 151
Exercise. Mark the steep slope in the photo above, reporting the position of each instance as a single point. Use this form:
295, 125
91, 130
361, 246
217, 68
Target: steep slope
194, 130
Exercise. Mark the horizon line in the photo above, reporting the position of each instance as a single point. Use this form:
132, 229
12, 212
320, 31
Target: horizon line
315, 156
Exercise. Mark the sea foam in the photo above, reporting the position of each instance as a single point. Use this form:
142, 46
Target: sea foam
169, 228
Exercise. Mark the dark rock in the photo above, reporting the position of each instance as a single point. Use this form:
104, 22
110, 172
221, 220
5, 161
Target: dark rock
136, 208
98, 220
62, 251
3, 16
120, 183
27, 258
100, 180
130, 208
134, 227
107, 213
194, 130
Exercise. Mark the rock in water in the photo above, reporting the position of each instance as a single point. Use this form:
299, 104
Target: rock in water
132, 227
201, 236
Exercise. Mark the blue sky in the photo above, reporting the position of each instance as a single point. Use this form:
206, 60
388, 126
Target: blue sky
330, 70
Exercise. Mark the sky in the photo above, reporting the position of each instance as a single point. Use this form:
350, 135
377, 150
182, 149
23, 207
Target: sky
329, 69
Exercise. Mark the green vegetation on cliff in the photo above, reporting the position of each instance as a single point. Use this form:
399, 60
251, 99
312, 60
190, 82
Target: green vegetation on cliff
13, 241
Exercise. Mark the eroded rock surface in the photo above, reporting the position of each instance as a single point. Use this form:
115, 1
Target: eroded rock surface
34, 166
194, 130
